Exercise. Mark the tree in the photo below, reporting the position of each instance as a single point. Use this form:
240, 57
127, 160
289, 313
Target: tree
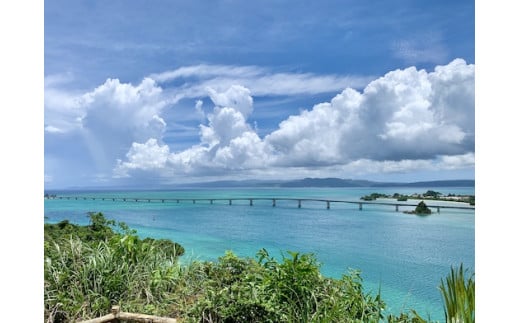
422, 208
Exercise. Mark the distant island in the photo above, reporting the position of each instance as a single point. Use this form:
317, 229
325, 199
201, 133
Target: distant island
305, 182
429, 195
330, 182
421, 209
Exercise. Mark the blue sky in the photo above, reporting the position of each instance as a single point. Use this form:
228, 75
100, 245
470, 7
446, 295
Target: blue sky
140, 93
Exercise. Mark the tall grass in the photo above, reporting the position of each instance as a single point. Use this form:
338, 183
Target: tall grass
86, 270
83, 281
459, 296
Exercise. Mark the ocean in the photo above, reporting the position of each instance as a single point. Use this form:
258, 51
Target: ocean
405, 256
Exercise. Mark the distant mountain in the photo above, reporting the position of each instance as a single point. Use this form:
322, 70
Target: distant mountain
244, 183
338, 182
330, 182
306, 182
445, 183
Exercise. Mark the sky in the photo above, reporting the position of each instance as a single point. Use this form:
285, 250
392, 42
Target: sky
143, 94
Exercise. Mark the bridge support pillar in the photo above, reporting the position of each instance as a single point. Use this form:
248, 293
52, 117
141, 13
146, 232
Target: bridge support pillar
229, 202
299, 204
250, 202
328, 205
193, 201
177, 201
274, 202
162, 201
438, 210
360, 206
396, 208
210, 201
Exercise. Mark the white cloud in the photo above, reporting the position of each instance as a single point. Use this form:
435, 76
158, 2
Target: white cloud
402, 121
195, 80
402, 115
107, 120
62, 111
147, 156
199, 110
458, 161
227, 143
236, 97
52, 129
406, 120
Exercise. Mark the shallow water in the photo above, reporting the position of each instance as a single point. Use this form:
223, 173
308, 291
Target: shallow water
404, 255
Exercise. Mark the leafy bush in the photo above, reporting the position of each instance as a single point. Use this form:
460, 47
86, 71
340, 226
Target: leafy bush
293, 290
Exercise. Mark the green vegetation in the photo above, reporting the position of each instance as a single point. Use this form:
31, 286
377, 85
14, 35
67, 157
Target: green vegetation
373, 196
458, 296
432, 194
90, 268
420, 209
428, 195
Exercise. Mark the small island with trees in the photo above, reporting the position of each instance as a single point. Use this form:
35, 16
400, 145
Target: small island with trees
429, 195
421, 209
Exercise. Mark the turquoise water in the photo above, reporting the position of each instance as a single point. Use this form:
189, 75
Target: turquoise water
404, 255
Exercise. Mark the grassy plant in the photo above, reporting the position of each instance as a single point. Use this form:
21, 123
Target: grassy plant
86, 270
459, 296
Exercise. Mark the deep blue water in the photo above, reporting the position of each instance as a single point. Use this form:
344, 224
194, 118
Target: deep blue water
405, 255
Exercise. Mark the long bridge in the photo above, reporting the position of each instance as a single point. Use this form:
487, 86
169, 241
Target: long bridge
251, 201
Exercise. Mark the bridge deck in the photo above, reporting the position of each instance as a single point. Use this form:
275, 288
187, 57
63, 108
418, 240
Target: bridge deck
328, 202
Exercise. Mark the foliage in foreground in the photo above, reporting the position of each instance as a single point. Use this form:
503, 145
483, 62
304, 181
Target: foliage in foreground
458, 296
88, 269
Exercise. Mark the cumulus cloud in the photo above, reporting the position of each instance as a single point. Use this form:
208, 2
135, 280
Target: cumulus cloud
227, 143
107, 120
406, 114
408, 119
236, 97
147, 156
